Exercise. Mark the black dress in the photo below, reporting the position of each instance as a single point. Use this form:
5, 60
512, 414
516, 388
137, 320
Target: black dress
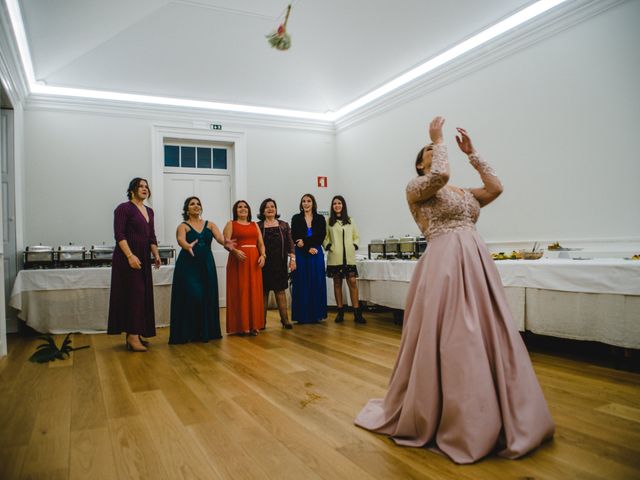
278, 246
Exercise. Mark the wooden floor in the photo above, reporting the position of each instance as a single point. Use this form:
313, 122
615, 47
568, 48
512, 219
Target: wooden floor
279, 406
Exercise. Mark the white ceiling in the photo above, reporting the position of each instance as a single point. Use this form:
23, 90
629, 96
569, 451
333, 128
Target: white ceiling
216, 50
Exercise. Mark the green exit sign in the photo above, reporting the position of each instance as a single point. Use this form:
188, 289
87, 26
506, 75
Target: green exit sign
215, 126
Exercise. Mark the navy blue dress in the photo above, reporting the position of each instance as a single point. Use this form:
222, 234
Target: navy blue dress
308, 281
194, 296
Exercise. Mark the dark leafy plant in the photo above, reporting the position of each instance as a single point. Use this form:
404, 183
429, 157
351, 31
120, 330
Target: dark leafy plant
48, 351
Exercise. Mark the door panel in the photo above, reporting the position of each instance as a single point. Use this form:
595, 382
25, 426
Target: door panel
214, 192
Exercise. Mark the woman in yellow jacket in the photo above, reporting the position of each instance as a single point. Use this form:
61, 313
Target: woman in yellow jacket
341, 243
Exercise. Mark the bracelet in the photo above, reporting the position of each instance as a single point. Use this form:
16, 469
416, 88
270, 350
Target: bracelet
130, 255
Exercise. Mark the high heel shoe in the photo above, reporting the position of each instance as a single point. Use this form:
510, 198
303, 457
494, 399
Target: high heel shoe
143, 341
286, 325
132, 347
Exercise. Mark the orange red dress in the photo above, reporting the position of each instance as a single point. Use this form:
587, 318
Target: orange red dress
245, 302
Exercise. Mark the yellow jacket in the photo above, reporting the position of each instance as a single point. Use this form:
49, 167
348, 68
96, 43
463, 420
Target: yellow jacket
341, 238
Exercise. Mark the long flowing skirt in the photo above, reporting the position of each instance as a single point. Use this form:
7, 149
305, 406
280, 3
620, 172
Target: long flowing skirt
463, 381
245, 301
194, 299
308, 288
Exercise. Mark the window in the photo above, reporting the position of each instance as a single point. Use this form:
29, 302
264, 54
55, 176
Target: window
190, 156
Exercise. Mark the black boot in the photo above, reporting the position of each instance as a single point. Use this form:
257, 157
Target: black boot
340, 315
357, 314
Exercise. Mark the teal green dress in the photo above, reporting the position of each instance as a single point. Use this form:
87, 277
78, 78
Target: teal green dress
195, 315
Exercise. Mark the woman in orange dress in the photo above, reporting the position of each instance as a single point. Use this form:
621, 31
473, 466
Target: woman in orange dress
245, 303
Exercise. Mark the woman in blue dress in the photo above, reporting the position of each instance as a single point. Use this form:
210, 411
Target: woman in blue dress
308, 284
194, 295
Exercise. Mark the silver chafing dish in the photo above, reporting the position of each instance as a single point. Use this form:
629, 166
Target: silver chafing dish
38, 256
421, 245
407, 247
71, 255
167, 252
391, 247
101, 255
376, 248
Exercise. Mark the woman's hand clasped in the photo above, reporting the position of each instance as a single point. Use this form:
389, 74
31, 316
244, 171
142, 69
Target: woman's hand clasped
313, 251
299, 243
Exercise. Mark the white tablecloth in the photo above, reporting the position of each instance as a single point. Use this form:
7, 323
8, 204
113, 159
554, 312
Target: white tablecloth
597, 300
77, 299
606, 275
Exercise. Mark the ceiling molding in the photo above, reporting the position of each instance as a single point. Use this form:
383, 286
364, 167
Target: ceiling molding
547, 25
194, 116
538, 29
10, 65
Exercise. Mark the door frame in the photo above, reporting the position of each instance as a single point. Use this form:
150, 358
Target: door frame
238, 171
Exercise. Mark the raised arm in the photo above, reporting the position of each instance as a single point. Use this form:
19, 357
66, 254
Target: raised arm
181, 237
422, 188
492, 186
433, 165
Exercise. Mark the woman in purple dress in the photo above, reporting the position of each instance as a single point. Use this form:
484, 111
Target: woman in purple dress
131, 300
463, 381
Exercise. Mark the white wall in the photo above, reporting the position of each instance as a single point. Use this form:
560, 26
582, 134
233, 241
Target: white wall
559, 121
78, 166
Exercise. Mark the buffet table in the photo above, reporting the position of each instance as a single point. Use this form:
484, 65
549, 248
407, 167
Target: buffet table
595, 299
77, 299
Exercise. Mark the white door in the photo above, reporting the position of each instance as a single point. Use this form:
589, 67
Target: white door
214, 192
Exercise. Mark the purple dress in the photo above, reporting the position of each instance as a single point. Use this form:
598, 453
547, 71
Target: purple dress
131, 300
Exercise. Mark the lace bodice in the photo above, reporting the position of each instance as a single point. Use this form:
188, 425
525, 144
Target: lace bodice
446, 208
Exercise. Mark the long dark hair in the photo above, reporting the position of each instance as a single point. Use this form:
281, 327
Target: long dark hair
344, 215
185, 207
420, 171
263, 205
133, 186
235, 209
314, 205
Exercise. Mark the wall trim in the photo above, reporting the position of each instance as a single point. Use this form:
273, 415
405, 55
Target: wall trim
10, 65
540, 28
158, 113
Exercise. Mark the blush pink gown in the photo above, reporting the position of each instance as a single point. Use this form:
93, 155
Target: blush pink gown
463, 382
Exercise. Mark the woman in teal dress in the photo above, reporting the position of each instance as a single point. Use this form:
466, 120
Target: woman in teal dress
194, 296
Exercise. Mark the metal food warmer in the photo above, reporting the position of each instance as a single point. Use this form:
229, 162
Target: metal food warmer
74, 256
406, 247
166, 252
39, 256
71, 256
101, 255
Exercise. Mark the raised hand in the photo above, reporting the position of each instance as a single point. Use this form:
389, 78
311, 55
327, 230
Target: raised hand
464, 141
435, 129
